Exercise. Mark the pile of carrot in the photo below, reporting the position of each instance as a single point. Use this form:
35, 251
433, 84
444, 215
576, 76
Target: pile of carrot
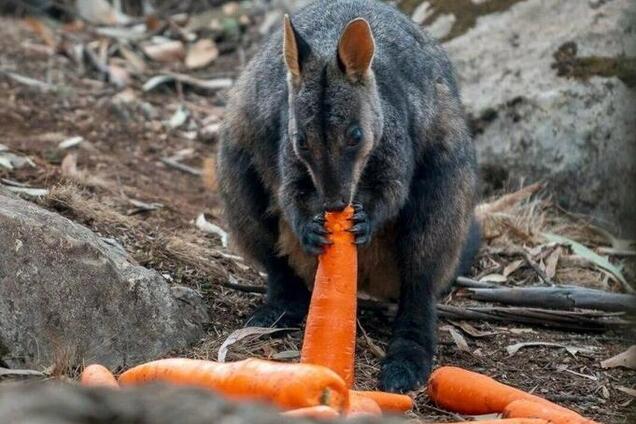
321, 385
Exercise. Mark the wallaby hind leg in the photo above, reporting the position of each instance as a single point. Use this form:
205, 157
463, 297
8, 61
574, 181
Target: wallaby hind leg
430, 235
255, 232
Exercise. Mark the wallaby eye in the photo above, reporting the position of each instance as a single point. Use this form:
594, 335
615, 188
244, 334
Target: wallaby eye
355, 136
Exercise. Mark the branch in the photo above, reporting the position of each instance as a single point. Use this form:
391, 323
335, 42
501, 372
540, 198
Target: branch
566, 320
556, 298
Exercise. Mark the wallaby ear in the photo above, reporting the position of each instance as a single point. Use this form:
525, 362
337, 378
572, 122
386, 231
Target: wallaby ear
356, 49
295, 49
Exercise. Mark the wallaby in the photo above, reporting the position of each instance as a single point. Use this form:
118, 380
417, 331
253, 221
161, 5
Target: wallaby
351, 103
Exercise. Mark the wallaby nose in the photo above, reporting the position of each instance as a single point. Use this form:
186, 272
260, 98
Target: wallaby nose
335, 205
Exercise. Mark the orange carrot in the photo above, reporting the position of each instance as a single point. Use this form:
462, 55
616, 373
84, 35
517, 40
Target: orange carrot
330, 333
388, 402
530, 409
471, 393
362, 405
511, 421
97, 375
288, 386
317, 412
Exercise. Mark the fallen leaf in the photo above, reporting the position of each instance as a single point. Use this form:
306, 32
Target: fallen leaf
31, 82
21, 373
210, 132
187, 135
5, 162
625, 359
600, 261
126, 96
551, 263
174, 163
137, 64
207, 227
494, 278
118, 75
242, 333
143, 206
459, 340
100, 12
572, 350
179, 118
519, 331
166, 52
134, 33
213, 84
15, 161
627, 390
472, 331
70, 142
605, 392
286, 355
201, 53
512, 267
28, 191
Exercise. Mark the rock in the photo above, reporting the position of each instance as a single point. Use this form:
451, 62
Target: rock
154, 404
68, 295
550, 88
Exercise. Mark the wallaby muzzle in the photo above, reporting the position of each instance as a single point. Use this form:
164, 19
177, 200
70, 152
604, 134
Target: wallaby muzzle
336, 192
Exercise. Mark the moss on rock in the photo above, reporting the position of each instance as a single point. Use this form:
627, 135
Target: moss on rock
466, 12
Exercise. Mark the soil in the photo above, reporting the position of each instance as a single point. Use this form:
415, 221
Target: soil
121, 160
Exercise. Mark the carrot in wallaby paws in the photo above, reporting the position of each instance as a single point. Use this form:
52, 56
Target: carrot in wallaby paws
316, 412
468, 392
287, 386
97, 375
530, 409
330, 332
388, 402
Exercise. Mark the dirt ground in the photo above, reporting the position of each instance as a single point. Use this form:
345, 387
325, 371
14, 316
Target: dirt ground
120, 162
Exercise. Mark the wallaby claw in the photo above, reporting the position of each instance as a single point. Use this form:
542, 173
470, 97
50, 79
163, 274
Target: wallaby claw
314, 236
362, 224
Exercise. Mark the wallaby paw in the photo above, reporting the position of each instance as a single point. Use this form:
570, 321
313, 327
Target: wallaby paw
361, 228
314, 235
274, 316
405, 370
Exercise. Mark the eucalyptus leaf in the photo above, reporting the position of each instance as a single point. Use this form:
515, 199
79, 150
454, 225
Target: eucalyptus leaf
590, 255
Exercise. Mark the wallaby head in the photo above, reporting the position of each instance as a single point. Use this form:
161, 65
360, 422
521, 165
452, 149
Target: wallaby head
335, 118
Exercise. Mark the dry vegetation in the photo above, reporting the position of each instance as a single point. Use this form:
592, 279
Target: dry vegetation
142, 172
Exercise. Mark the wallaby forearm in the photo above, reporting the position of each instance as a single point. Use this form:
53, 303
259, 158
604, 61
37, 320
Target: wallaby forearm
383, 204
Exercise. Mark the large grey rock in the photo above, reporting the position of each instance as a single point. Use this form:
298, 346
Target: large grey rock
570, 121
66, 294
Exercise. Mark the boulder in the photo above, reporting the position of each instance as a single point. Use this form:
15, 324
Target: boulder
550, 89
68, 295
